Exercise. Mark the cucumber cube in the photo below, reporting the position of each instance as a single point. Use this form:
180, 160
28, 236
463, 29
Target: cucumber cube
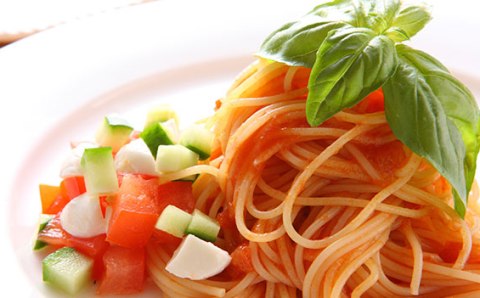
198, 139
173, 220
99, 170
161, 113
159, 133
67, 269
203, 226
172, 158
114, 132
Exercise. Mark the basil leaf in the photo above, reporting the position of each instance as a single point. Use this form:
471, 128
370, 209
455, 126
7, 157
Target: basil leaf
419, 120
350, 63
459, 204
410, 20
459, 103
379, 15
296, 43
436, 117
346, 11
399, 21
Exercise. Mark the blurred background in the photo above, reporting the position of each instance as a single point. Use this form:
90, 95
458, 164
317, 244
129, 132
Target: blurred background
20, 18
452, 21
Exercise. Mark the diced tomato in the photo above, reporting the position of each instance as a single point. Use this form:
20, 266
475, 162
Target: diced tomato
166, 238
124, 271
137, 206
241, 262
120, 176
134, 212
92, 246
242, 258
55, 235
72, 187
177, 193
374, 102
98, 267
226, 220
57, 205
48, 194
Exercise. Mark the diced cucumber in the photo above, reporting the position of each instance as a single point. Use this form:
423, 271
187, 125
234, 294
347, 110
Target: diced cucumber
173, 220
42, 223
99, 170
161, 113
159, 133
198, 139
172, 158
203, 226
113, 132
67, 269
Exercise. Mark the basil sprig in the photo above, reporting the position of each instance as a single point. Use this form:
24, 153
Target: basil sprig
354, 48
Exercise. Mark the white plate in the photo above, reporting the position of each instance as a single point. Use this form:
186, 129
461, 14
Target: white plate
56, 85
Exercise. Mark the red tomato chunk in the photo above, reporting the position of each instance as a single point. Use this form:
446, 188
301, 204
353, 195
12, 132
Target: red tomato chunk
241, 261
372, 103
54, 201
72, 187
134, 212
177, 193
166, 238
124, 271
55, 235
139, 203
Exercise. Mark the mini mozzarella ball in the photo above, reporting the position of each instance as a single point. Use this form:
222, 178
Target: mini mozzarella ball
135, 157
197, 259
82, 217
71, 164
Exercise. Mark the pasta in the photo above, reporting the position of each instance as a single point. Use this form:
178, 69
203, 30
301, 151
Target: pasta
339, 210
